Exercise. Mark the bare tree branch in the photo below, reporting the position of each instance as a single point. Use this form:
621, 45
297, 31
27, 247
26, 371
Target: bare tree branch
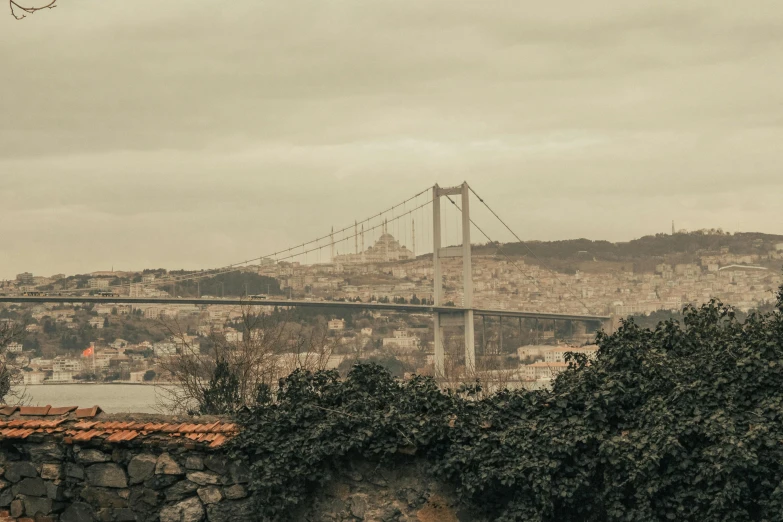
11, 378
270, 347
29, 10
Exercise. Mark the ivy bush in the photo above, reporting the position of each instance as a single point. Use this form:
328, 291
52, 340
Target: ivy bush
682, 422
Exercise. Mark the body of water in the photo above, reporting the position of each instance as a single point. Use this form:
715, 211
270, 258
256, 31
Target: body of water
112, 398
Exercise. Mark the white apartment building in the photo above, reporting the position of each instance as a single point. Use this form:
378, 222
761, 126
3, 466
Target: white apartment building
233, 336
33, 378
98, 283
558, 354
401, 340
163, 349
45, 365
337, 324
217, 314
14, 347
97, 323
542, 370
534, 351
152, 312
137, 377
64, 369
103, 309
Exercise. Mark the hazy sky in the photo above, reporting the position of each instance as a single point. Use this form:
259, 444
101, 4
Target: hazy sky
194, 134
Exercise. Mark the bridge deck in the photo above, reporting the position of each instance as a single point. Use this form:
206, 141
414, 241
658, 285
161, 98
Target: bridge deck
410, 308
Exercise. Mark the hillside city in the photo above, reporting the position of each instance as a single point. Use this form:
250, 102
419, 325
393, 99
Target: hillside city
127, 343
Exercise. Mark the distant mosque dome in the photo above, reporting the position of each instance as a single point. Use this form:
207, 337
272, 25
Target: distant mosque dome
386, 249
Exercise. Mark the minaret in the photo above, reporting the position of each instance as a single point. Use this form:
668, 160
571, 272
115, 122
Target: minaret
672, 227
356, 236
362, 242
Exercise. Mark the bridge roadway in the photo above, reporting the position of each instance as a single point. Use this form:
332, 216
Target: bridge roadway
410, 308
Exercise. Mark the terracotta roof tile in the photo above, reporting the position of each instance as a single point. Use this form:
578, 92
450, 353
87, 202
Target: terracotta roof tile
118, 436
220, 439
83, 424
62, 411
86, 435
88, 412
35, 410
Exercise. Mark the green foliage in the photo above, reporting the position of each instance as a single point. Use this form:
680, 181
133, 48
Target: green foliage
681, 422
657, 245
228, 284
387, 361
222, 393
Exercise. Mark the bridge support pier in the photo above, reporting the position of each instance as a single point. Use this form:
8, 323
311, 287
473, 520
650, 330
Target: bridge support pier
440, 357
464, 252
470, 339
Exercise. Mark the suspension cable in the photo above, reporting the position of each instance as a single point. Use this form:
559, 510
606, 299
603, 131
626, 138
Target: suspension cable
234, 267
499, 248
545, 265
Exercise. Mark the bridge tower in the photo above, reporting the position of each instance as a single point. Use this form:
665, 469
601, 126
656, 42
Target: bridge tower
441, 319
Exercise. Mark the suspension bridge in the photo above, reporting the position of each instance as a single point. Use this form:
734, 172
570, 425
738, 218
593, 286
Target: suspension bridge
438, 230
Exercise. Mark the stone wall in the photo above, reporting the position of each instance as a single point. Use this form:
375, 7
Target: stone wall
55, 481
400, 492
47, 480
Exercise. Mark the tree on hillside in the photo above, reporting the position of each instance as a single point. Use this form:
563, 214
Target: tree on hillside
228, 373
10, 374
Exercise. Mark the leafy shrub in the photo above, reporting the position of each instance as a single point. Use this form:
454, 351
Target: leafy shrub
683, 422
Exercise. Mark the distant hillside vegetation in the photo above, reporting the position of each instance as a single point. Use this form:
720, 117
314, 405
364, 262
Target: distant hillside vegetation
642, 252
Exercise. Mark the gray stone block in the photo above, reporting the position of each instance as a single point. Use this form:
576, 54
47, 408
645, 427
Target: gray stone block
144, 499
181, 490
17, 508
123, 515
216, 463
107, 475
161, 481
51, 471
15, 471
167, 466
235, 492
45, 452
210, 494
6, 497
37, 506
104, 497
91, 456
35, 487
78, 512
204, 478
75, 471
190, 510
141, 467
194, 462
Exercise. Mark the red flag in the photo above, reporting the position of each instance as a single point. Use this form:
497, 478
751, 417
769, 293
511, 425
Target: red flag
88, 352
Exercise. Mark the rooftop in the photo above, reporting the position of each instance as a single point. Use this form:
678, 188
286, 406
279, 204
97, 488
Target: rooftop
74, 424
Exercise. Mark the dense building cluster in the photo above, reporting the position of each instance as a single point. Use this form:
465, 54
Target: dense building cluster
386, 272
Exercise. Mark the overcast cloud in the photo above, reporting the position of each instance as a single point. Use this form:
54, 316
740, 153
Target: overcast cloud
191, 134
